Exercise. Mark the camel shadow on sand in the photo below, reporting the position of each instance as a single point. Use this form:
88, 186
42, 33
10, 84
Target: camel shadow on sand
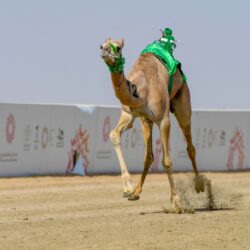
188, 211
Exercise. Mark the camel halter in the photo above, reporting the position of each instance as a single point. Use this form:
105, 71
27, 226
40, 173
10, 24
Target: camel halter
119, 60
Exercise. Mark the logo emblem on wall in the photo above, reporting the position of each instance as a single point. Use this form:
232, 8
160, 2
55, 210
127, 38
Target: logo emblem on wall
106, 128
60, 138
79, 153
44, 137
27, 138
210, 138
36, 138
222, 138
10, 128
236, 146
60, 135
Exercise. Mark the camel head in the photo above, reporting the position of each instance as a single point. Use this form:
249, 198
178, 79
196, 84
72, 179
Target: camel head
111, 50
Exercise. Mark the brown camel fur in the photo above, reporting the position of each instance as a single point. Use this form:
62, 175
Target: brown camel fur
145, 94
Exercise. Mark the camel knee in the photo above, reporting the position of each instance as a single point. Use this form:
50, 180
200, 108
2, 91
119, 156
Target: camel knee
114, 137
167, 165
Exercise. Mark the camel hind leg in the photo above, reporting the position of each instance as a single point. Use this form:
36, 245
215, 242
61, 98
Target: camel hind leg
126, 121
182, 110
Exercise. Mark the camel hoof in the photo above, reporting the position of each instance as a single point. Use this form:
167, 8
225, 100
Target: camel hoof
133, 197
127, 194
176, 203
199, 183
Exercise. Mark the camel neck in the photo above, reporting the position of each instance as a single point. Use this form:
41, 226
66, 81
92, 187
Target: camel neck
125, 91
117, 79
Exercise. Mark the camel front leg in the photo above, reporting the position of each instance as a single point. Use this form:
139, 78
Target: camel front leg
167, 163
126, 121
148, 158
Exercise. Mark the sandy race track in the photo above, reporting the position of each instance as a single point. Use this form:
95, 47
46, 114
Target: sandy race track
90, 213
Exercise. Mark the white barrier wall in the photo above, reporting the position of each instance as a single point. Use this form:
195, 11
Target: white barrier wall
40, 139
58, 139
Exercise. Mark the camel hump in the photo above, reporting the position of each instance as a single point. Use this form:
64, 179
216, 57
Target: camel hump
158, 50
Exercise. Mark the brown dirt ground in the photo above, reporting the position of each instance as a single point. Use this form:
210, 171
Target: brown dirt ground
90, 213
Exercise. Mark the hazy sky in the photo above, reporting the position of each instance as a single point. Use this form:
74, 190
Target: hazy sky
49, 50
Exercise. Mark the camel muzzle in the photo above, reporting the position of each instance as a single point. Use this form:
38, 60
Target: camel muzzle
107, 54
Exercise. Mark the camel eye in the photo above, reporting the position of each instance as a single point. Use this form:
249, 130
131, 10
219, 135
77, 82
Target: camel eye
118, 49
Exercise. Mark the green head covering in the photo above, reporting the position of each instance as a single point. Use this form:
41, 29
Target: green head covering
167, 32
167, 40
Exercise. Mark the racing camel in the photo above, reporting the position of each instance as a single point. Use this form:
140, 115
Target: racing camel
146, 94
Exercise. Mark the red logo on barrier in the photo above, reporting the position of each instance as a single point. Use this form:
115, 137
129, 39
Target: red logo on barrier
157, 154
236, 146
10, 128
79, 149
106, 129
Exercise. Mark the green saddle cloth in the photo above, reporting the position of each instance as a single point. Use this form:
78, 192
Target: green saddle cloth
158, 49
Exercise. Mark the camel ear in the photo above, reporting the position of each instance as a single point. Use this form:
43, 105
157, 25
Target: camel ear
107, 39
121, 41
